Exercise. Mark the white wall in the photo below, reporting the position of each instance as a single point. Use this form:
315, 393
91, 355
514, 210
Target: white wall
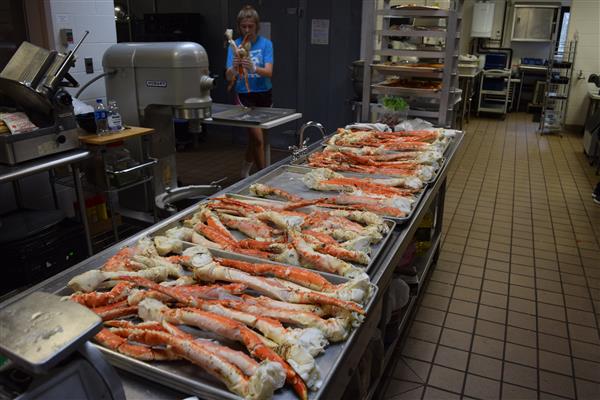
97, 16
585, 21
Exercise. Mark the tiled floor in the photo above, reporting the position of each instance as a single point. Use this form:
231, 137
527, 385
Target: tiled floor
513, 305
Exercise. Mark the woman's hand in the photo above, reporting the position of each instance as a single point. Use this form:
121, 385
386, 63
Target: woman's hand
236, 62
249, 65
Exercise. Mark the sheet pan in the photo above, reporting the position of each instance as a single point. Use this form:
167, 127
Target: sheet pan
289, 178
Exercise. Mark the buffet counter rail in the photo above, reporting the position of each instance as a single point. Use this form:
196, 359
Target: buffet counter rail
381, 274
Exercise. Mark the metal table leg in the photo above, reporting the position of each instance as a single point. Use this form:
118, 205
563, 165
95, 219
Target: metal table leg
469, 98
520, 90
267, 147
109, 202
81, 201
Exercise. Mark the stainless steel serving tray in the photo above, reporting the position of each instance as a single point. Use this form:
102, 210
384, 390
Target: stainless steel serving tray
289, 178
375, 249
442, 161
188, 378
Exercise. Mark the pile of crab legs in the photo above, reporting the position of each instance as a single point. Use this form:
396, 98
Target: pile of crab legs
314, 311
336, 241
392, 197
405, 153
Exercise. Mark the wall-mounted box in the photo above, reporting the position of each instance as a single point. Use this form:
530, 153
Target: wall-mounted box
533, 23
483, 20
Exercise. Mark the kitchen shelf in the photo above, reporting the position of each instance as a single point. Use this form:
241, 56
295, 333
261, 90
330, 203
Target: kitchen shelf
446, 54
397, 90
414, 33
411, 53
496, 92
395, 13
559, 76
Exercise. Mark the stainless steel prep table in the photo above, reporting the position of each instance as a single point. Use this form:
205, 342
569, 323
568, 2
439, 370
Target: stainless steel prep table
71, 157
218, 107
381, 275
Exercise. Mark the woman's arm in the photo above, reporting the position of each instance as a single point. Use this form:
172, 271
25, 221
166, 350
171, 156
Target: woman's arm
266, 71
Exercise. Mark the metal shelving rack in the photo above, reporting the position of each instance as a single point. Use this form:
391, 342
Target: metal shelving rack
559, 76
494, 100
443, 100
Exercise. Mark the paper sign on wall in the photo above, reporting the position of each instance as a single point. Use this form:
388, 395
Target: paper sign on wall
265, 30
319, 31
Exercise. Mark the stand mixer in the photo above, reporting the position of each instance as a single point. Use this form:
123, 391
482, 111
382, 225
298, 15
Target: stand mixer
152, 84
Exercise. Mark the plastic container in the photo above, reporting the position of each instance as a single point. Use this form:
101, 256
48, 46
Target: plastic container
101, 118
115, 122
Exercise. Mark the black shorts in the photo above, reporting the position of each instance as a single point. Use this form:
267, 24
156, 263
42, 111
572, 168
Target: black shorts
256, 99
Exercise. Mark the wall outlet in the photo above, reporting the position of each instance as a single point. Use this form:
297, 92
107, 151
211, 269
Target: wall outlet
89, 65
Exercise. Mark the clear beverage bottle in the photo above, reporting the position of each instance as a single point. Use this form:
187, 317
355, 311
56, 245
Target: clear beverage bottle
115, 122
101, 117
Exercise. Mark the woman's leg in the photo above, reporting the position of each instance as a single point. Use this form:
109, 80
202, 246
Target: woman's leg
256, 146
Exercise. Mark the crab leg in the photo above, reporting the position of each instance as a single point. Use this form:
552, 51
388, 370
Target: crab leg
337, 251
255, 387
115, 310
300, 276
214, 235
214, 222
261, 190
115, 342
332, 328
248, 226
324, 262
273, 287
226, 327
97, 299
92, 279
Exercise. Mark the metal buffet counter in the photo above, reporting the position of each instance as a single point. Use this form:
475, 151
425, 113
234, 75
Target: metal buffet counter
382, 273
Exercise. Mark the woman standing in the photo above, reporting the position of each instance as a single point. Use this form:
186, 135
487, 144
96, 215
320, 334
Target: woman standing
256, 90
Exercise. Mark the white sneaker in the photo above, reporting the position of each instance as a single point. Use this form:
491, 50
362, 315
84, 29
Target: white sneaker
246, 167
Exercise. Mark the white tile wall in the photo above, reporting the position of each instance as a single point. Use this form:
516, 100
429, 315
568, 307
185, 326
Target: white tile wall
585, 15
96, 16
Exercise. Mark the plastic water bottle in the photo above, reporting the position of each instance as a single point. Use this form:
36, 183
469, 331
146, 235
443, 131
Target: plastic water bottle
114, 117
101, 117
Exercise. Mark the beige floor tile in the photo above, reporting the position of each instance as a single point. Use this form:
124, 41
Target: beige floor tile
520, 375
452, 358
445, 378
482, 388
418, 349
513, 392
485, 366
520, 336
430, 315
584, 334
587, 390
557, 384
456, 339
521, 354
555, 362
397, 388
463, 307
459, 322
432, 393
426, 332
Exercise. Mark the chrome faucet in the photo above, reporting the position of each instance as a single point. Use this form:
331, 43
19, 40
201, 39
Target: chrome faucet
300, 150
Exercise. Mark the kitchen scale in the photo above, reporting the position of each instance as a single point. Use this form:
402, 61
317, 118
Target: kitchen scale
45, 339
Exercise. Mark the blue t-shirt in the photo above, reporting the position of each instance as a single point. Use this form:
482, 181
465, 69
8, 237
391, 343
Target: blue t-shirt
261, 53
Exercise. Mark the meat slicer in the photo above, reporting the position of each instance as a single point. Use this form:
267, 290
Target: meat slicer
153, 83
33, 82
